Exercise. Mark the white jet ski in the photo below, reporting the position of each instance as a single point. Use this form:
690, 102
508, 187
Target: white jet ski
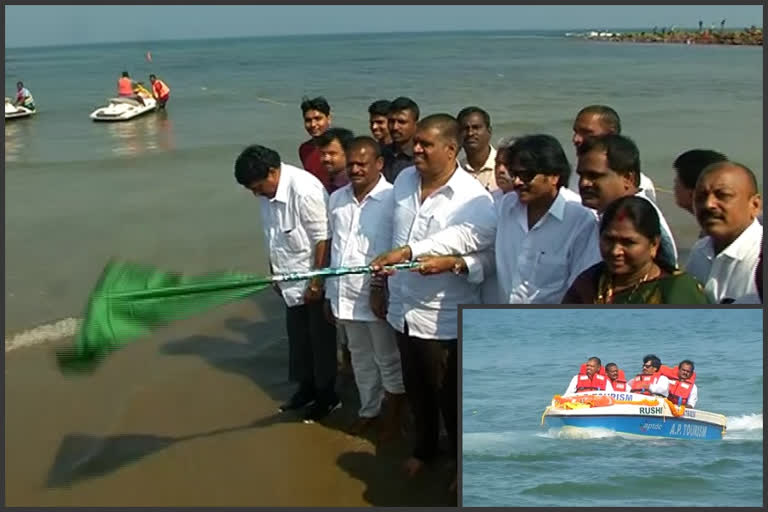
15, 112
123, 109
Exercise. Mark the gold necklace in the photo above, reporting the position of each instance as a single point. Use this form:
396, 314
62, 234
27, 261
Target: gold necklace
606, 291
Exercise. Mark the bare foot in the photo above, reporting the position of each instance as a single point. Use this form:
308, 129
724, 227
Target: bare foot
412, 466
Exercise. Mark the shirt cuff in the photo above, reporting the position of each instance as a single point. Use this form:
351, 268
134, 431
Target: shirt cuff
420, 248
474, 268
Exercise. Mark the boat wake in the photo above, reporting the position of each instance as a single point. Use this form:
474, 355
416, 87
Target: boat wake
748, 427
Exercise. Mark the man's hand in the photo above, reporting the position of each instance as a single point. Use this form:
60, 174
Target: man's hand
315, 290
398, 255
429, 265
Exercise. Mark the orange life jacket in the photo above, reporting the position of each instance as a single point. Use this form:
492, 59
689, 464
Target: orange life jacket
679, 390
125, 86
160, 88
641, 383
596, 383
620, 384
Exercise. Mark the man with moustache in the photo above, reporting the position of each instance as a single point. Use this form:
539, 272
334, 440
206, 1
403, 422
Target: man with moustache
608, 169
331, 145
596, 121
688, 167
316, 113
378, 121
726, 202
543, 240
402, 118
478, 156
361, 217
439, 209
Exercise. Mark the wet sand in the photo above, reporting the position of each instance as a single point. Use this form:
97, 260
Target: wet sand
187, 417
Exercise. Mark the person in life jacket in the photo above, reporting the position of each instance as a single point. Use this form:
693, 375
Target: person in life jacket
24, 97
160, 91
616, 376
650, 381
682, 387
590, 378
125, 88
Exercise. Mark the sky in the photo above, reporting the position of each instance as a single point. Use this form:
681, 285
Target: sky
43, 25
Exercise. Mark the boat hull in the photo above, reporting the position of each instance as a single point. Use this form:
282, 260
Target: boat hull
123, 109
649, 426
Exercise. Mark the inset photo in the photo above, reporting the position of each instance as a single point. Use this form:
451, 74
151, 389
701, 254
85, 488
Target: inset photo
612, 407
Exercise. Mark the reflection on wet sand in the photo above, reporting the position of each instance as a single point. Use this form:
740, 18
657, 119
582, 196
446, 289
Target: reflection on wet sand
152, 132
16, 134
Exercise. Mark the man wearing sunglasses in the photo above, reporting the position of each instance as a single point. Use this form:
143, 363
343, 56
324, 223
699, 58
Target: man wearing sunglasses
650, 381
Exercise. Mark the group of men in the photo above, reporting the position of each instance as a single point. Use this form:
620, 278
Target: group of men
676, 384
428, 191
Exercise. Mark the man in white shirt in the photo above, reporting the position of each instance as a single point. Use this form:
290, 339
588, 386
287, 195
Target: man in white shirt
439, 209
650, 381
726, 203
477, 157
295, 219
543, 241
678, 387
608, 169
591, 381
596, 121
360, 215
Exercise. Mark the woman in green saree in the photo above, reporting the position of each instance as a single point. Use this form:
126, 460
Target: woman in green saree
629, 273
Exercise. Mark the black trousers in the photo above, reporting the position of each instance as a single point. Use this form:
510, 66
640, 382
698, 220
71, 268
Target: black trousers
311, 350
430, 374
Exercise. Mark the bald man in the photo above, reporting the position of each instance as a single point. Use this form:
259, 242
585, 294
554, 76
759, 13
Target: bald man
726, 203
596, 121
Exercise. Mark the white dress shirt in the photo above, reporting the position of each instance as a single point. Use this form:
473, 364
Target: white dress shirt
295, 220
572, 386
730, 274
538, 265
660, 387
359, 232
693, 397
486, 174
457, 219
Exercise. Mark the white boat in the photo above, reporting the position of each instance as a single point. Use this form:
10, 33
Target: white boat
123, 109
15, 112
632, 414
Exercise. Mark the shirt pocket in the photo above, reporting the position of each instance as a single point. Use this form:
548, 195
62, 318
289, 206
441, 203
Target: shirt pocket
294, 240
550, 270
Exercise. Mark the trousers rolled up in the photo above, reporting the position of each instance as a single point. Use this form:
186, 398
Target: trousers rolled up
311, 350
375, 361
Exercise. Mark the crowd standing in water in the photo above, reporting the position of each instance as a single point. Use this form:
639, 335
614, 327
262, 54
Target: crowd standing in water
501, 225
676, 384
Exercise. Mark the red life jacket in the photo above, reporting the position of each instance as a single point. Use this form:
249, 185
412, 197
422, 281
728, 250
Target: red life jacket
641, 383
679, 390
620, 384
160, 88
125, 86
596, 383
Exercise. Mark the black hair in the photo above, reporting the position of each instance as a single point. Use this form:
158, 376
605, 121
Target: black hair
690, 164
728, 163
403, 103
594, 358
343, 135
639, 210
20, 83
655, 361
366, 141
379, 108
542, 154
125, 73
608, 116
446, 124
611, 364
254, 164
687, 361
152, 75
474, 110
320, 104
620, 151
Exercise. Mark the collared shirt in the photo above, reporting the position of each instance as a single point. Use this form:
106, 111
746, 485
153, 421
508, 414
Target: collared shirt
295, 220
730, 274
486, 174
572, 386
459, 219
309, 154
359, 232
538, 265
394, 162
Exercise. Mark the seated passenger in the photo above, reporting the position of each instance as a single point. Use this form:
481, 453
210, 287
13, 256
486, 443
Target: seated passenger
650, 381
682, 387
590, 378
616, 377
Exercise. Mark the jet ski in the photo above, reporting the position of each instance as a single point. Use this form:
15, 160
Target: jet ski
15, 112
123, 109
632, 414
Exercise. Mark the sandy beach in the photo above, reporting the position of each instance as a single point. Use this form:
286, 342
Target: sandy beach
187, 417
